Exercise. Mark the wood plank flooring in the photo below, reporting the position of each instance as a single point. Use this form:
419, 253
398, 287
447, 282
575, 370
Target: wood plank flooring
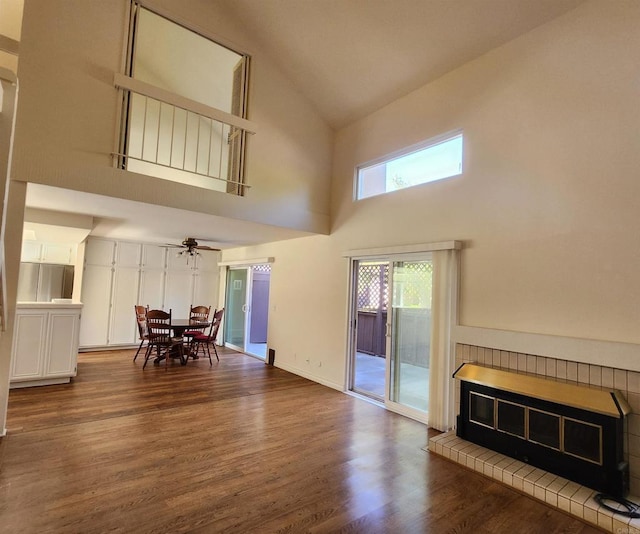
239, 447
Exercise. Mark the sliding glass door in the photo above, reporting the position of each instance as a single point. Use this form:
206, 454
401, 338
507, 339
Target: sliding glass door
392, 335
236, 307
247, 309
409, 339
370, 315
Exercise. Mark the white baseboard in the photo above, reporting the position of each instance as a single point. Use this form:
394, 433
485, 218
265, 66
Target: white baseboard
309, 376
44, 382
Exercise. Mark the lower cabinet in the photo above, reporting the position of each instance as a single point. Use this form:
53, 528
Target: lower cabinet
45, 344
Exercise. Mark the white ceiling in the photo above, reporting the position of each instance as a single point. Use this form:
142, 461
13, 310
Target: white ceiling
349, 58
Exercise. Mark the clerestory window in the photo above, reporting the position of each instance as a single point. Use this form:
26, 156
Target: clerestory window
432, 160
185, 105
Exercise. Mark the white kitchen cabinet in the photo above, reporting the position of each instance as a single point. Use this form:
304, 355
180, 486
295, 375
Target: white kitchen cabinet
41, 252
45, 344
29, 340
124, 294
99, 252
122, 326
152, 283
152, 276
31, 251
127, 254
120, 274
59, 253
178, 295
207, 261
62, 351
205, 280
96, 297
154, 257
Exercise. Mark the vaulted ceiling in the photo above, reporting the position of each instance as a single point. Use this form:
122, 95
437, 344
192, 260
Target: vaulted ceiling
351, 57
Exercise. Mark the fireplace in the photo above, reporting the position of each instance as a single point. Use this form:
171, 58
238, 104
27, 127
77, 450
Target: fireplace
573, 431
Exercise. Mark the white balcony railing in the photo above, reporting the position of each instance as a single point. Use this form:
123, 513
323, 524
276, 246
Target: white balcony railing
175, 138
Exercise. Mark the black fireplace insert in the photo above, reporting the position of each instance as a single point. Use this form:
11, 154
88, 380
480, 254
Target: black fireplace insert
570, 430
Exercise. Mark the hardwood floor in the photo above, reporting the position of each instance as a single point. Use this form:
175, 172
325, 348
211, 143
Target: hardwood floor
239, 447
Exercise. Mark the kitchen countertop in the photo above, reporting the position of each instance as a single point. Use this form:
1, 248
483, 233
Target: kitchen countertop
48, 305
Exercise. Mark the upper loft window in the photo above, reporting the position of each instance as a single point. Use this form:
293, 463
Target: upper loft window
432, 160
185, 105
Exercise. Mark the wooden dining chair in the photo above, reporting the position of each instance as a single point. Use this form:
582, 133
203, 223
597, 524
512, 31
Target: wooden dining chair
143, 331
161, 338
197, 314
204, 341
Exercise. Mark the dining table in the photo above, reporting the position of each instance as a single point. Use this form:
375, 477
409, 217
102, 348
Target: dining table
179, 327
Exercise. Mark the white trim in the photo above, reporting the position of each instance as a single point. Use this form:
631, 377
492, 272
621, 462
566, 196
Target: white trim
137, 86
402, 152
402, 249
8, 75
239, 263
9, 45
16, 384
150, 5
3, 433
407, 411
432, 141
590, 351
309, 376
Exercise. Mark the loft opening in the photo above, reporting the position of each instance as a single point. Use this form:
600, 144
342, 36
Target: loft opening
185, 103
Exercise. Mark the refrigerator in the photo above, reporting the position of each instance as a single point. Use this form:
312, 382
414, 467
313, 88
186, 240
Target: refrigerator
42, 282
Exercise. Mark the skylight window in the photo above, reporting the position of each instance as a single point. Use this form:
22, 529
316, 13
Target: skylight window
434, 160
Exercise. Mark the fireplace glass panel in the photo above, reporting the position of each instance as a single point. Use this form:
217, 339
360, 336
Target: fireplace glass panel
583, 440
511, 418
544, 428
481, 409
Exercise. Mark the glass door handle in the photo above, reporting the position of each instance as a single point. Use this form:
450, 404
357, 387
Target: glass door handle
244, 308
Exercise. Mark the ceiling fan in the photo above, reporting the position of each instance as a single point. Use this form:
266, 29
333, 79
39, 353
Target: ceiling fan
190, 247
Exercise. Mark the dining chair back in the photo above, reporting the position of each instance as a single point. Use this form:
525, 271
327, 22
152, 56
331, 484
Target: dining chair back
198, 314
204, 341
160, 336
143, 331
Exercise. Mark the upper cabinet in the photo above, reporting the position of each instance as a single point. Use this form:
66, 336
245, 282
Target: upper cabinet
154, 257
128, 254
42, 252
99, 252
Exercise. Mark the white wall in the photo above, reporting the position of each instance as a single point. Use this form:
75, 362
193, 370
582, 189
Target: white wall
547, 205
306, 305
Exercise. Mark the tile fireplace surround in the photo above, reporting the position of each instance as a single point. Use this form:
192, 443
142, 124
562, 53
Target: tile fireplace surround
550, 488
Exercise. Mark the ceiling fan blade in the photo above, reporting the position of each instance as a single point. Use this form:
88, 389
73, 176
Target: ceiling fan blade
205, 247
172, 245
